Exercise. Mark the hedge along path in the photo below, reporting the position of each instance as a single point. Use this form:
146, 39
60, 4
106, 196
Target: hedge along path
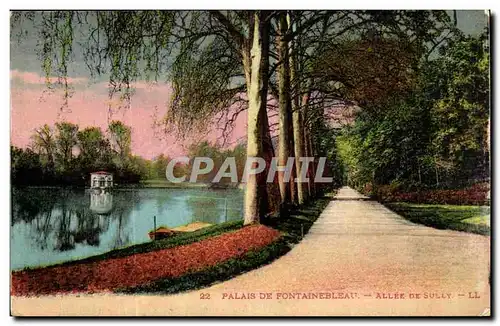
138, 269
477, 194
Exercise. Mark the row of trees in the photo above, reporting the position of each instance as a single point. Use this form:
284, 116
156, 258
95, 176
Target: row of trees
437, 135
63, 154
221, 63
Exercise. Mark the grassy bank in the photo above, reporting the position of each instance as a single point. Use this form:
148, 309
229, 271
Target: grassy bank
177, 240
219, 273
294, 225
473, 219
136, 270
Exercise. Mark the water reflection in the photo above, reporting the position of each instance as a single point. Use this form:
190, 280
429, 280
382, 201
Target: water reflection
205, 209
101, 201
213, 210
54, 225
61, 220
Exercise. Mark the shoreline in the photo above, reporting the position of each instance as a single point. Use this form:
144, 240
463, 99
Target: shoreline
135, 271
133, 186
184, 238
287, 231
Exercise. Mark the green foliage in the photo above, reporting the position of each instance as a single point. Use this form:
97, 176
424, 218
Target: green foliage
26, 166
460, 218
69, 155
158, 167
43, 142
437, 136
203, 53
383, 148
66, 155
66, 140
324, 137
94, 149
120, 138
461, 111
205, 57
218, 155
206, 76
296, 223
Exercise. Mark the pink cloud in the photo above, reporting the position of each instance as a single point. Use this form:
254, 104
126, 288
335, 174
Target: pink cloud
34, 78
31, 108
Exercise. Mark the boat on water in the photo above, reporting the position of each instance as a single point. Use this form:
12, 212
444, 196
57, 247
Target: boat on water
164, 232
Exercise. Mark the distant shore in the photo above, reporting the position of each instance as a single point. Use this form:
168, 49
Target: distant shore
148, 184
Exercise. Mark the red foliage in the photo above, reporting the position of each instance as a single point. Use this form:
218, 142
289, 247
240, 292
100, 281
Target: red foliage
143, 268
473, 195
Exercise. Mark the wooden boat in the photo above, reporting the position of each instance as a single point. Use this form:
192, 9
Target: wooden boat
194, 226
161, 233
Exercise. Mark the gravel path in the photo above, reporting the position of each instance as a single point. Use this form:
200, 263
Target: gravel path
359, 258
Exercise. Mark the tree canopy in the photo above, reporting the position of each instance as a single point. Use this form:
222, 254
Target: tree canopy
302, 63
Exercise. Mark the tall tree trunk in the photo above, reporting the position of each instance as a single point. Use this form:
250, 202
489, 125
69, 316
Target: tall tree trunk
284, 108
312, 166
307, 153
268, 192
302, 137
293, 174
487, 151
436, 171
257, 94
307, 125
298, 136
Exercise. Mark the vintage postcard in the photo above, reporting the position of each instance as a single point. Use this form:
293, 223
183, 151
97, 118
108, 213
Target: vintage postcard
250, 163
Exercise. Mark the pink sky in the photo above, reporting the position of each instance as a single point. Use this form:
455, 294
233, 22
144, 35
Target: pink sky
31, 108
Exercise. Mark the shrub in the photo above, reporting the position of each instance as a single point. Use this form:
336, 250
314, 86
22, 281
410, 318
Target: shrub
474, 195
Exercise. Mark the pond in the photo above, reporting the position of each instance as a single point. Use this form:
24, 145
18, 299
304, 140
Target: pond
50, 226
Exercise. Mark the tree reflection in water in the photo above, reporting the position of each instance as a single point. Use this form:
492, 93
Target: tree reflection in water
59, 219
205, 209
55, 225
221, 207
